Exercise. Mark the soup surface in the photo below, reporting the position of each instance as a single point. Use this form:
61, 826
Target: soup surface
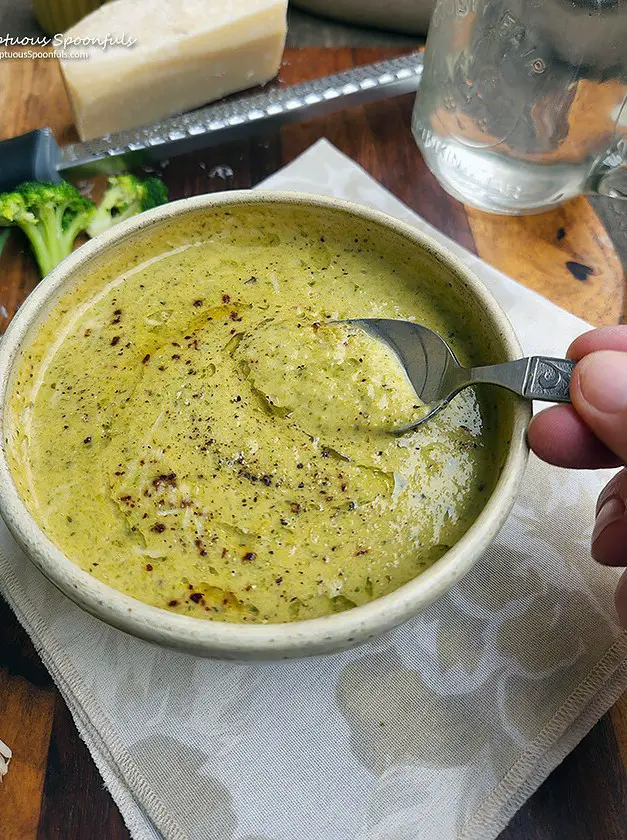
190, 428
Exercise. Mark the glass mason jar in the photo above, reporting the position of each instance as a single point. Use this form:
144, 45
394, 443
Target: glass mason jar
523, 103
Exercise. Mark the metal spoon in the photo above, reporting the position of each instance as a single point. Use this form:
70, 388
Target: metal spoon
437, 376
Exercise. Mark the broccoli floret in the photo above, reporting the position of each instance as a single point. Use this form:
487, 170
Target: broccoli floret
51, 216
126, 196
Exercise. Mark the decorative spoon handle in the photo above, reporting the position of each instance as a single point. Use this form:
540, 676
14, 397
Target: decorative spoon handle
536, 378
549, 379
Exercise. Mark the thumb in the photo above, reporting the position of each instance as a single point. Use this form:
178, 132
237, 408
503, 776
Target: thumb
599, 395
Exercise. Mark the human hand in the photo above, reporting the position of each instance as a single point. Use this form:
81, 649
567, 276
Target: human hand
592, 433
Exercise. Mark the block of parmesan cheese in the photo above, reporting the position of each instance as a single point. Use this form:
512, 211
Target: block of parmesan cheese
186, 53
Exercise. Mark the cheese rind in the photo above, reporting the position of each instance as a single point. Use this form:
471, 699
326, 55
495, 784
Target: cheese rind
188, 53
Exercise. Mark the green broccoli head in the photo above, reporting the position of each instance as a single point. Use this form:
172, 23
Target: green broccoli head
13, 210
126, 196
51, 216
155, 193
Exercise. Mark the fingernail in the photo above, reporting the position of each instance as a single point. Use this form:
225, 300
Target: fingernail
611, 511
603, 381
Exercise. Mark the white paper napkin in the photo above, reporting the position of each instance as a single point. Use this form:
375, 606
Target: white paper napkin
440, 729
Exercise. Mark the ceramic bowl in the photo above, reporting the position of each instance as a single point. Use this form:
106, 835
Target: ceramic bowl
300, 638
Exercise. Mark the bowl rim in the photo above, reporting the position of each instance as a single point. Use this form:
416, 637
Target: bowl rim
255, 641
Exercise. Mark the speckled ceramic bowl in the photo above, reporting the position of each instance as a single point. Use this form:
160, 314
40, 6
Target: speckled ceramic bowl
315, 636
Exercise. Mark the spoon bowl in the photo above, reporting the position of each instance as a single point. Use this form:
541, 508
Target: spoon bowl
437, 377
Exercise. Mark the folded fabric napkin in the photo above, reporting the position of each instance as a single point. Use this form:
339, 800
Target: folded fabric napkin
440, 729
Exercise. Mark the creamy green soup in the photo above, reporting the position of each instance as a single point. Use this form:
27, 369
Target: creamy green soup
189, 427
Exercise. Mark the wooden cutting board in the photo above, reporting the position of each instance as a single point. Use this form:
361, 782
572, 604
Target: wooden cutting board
53, 789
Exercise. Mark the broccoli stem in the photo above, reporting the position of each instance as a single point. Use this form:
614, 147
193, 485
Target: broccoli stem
3, 239
38, 239
53, 246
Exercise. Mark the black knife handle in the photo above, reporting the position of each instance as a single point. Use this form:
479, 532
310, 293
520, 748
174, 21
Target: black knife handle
30, 157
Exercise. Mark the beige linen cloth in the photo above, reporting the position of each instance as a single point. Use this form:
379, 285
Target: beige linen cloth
440, 729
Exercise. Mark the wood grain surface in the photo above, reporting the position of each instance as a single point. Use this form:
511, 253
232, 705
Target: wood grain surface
53, 789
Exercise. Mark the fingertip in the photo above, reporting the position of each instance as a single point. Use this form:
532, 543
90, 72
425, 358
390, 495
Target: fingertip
602, 338
577, 347
541, 434
558, 436
609, 538
617, 486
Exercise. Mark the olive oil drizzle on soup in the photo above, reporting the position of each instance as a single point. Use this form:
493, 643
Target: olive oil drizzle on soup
189, 428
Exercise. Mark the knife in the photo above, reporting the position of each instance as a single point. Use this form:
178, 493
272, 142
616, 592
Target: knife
37, 156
